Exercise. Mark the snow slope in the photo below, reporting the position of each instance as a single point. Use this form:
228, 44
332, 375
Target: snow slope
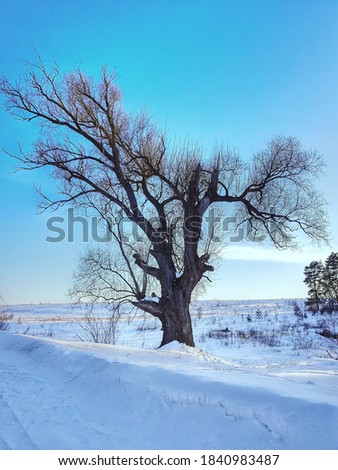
71, 395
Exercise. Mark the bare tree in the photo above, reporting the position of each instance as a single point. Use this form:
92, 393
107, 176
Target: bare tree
125, 168
98, 328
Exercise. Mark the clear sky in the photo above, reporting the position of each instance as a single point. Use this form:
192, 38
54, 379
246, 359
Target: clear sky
231, 71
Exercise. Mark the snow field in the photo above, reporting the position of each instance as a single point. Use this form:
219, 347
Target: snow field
263, 380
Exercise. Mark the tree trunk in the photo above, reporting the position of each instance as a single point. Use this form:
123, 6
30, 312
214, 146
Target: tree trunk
176, 321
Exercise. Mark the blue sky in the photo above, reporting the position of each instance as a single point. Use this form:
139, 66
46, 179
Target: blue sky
231, 71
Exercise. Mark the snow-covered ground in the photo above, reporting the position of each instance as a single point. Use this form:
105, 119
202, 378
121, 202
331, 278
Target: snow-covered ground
259, 378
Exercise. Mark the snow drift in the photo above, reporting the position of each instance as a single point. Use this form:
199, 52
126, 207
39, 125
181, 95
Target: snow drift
68, 395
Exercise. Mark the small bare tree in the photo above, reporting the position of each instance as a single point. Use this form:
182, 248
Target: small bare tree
98, 328
124, 168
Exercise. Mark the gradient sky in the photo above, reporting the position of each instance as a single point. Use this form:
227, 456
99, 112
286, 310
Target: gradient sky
236, 72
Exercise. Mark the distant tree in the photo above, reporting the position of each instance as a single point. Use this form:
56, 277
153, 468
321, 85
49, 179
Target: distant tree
259, 314
125, 168
322, 281
314, 280
328, 302
330, 282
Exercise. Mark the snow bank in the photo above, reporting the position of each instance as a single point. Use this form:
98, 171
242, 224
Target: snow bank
174, 346
59, 395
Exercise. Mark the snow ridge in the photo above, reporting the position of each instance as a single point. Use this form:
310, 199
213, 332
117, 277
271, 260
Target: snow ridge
59, 395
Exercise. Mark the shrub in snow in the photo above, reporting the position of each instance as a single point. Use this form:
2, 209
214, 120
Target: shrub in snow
5, 318
297, 311
199, 312
100, 329
329, 329
219, 334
